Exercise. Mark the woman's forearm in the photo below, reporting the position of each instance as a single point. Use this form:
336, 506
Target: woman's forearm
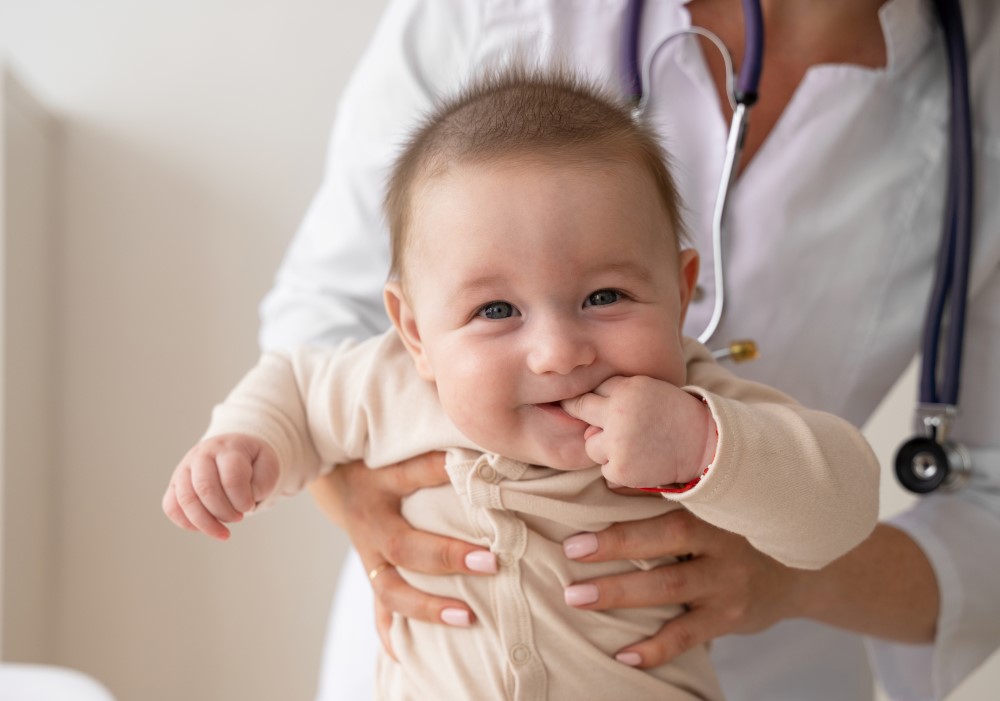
884, 588
328, 493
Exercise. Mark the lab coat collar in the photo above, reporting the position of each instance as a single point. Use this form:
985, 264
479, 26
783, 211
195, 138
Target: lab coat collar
907, 25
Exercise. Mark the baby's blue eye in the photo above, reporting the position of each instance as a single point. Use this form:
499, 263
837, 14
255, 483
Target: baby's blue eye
497, 310
603, 297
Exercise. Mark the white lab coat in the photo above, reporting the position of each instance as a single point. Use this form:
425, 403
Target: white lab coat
833, 234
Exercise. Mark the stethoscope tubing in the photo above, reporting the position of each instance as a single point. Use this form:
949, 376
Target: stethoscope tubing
742, 99
952, 276
748, 82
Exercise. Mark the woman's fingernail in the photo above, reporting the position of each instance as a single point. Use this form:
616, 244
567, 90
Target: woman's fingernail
580, 594
456, 617
632, 659
580, 545
481, 561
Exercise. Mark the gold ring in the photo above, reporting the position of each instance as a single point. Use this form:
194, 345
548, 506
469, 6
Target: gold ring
377, 570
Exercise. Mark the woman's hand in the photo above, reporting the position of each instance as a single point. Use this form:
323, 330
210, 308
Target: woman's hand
367, 503
724, 583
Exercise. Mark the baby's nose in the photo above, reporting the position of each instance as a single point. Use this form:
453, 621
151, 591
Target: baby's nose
559, 348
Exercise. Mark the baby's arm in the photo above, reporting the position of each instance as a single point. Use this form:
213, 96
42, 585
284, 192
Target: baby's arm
800, 485
292, 417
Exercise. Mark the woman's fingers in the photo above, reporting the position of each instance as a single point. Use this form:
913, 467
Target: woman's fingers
724, 583
676, 637
387, 537
367, 503
428, 553
394, 594
379, 531
675, 533
677, 583
423, 471
383, 622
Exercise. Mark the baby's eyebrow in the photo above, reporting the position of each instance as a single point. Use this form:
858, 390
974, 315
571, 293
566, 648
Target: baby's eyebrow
641, 273
477, 283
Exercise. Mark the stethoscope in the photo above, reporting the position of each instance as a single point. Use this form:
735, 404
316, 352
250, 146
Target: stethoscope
929, 460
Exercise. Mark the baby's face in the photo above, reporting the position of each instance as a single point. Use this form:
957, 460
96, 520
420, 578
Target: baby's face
528, 283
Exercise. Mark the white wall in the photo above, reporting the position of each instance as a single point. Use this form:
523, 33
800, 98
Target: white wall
192, 135
192, 139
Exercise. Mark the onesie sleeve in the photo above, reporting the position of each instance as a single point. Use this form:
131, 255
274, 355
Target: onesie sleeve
321, 406
800, 485
304, 404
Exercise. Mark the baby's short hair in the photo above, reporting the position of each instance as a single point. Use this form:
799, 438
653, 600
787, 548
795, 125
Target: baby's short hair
517, 112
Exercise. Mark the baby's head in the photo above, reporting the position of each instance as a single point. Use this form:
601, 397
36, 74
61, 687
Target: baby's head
535, 253
520, 116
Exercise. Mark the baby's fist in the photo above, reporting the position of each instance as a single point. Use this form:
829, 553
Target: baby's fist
218, 481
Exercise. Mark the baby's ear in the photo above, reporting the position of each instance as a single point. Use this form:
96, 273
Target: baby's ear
687, 278
401, 314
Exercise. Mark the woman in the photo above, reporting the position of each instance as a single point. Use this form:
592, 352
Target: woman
841, 191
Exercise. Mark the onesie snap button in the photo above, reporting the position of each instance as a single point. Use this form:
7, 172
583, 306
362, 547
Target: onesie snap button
519, 654
487, 473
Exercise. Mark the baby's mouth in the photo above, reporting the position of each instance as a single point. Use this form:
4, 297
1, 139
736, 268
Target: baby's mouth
556, 410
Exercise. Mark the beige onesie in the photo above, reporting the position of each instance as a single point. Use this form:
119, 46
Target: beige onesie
801, 485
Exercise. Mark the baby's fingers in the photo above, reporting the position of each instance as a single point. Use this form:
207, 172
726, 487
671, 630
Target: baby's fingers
235, 477
589, 407
596, 447
206, 478
265, 474
174, 511
194, 511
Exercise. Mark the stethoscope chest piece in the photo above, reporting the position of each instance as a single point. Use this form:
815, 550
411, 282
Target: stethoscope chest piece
923, 465
927, 463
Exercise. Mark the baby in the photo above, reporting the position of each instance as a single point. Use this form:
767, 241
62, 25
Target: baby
537, 294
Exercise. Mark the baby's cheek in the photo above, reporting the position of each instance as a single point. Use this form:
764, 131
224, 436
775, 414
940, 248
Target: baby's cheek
474, 412
462, 407
664, 361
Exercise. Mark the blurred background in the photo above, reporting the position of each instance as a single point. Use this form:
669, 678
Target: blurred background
155, 160
156, 164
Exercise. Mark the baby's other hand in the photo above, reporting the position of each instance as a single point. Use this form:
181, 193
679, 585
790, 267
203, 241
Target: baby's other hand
645, 432
218, 481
